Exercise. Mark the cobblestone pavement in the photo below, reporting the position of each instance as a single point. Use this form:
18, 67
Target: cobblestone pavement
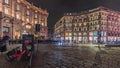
52, 56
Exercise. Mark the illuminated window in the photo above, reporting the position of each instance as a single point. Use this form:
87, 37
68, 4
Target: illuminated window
18, 7
18, 16
75, 34
42, 24
18, 1
85, 24
35, 22
27, 20
6, 10
75, 24
7, 1
28, 12
36, 16
23, 24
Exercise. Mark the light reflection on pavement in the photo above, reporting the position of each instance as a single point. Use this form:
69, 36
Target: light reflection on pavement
52, 56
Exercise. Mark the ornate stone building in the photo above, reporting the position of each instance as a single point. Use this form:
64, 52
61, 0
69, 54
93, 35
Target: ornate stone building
19, 16
97, 25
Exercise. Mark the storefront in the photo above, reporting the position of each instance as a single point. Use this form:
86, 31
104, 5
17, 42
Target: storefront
95, 38
90, 37
85, 38
103, 37
80, 39
17, 34
68, 37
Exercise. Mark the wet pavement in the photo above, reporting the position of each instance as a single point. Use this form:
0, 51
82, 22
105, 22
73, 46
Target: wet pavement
53, 56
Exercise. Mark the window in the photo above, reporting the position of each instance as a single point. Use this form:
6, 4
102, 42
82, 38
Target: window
75, 24
28, 12
75, 29
5, 29
70, 25
85, 24
75, 34
42, 24
18, 7
7, 1
35, 22
79, 29
18, 1
6, 10
36, 16
80, 24
80, 34
18, 16
27, 20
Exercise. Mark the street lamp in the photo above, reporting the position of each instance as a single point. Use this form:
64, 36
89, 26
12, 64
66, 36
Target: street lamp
12, 28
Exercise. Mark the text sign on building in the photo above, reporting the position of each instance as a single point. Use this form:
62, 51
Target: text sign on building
37, 27
28, 42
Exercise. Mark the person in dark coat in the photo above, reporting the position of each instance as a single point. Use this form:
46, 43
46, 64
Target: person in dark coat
3, 44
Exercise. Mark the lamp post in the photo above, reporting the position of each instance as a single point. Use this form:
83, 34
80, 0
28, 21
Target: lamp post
99, 33
12, 22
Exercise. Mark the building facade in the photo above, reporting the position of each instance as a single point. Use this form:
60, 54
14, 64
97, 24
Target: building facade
99, 25
19, 16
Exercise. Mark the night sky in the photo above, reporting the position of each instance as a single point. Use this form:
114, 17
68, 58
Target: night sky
57, 8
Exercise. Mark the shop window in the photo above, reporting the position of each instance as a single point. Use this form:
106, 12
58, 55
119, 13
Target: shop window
80, 34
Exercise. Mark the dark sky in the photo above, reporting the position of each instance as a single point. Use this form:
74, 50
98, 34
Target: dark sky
57, 8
